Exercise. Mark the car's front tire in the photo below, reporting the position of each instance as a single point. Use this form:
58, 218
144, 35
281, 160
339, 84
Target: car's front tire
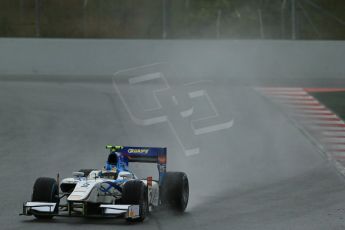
135, 192
46, 190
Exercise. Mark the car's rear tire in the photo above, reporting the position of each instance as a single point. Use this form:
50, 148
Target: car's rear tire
175, 191
46, 190
135, 192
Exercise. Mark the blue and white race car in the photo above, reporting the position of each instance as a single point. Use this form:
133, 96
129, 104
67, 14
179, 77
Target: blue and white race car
113, 191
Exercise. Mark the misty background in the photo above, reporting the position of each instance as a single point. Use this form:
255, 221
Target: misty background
175, 19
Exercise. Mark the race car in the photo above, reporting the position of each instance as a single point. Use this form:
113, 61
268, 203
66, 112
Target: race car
113, 191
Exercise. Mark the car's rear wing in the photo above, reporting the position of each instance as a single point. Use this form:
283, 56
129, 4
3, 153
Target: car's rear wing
144, 154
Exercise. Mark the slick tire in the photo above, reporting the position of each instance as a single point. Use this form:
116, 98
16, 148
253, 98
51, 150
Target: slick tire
135, 192
175, 191
46, 190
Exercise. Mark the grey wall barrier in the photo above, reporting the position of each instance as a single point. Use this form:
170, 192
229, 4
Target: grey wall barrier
225, 58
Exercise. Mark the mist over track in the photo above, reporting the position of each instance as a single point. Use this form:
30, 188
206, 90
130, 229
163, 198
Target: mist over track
253, 169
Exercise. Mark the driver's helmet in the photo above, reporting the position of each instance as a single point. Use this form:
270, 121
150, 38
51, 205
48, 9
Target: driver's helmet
112, 158
112, 161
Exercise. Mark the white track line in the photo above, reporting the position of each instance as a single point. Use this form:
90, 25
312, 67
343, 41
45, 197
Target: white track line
331, 140
333, 134
329, 129
291, 97
307, 107
288, 93
321, 122
298, 102
336, 146
310, 116
279, 89
312, 111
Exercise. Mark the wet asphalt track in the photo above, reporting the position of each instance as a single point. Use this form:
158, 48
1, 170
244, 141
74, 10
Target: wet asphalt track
261, 173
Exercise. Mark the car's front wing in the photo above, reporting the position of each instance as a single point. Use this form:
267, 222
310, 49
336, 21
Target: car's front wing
108, 210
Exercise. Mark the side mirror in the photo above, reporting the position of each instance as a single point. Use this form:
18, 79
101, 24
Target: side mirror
78, 174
